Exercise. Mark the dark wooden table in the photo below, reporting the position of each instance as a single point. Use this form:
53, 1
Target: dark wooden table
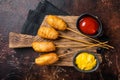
14, 63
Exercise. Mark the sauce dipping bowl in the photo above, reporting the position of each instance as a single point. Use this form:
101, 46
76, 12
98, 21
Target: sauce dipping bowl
86, 71
95, 18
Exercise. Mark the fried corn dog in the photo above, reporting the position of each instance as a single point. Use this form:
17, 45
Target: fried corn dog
43, 46
48, 32
56, 22
46, 59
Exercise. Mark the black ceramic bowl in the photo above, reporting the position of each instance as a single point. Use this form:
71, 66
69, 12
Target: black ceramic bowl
86, 71
100, 29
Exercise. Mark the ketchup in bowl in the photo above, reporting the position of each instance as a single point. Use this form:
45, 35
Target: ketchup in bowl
89, 25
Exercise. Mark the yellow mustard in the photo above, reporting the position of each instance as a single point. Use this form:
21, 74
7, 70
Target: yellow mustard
85, 61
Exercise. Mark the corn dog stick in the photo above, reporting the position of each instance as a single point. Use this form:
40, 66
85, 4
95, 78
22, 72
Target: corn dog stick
82, 49
83, 41
70, 38
90, 38
79, 46
75, 46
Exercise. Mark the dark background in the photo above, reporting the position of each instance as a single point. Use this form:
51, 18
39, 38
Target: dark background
15, 64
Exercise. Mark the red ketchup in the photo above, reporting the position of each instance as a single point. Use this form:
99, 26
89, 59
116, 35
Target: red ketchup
88, 25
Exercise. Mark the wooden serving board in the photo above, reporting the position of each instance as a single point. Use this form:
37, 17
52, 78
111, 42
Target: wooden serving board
21, 40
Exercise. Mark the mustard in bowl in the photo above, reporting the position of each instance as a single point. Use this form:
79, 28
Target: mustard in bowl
85, 61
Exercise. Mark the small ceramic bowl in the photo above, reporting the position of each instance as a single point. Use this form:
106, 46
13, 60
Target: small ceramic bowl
100, 29
86, 71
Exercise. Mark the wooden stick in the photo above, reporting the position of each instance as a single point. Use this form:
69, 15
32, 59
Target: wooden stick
78, 46
94, 45
70, 38
90, 38
75, 46
82, 41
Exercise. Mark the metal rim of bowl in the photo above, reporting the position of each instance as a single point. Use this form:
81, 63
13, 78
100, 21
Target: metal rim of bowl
86, 71
99, 33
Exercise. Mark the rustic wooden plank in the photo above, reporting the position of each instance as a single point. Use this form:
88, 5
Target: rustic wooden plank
17, 40
22, 40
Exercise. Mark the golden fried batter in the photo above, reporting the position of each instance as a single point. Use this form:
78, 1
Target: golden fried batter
43, 46
48, 32
46, 59
56, 22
